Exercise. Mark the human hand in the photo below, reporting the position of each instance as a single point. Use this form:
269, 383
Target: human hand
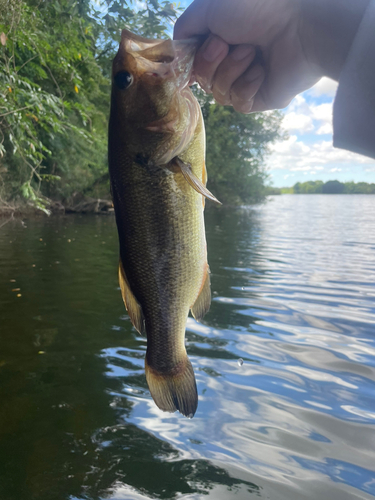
300, 41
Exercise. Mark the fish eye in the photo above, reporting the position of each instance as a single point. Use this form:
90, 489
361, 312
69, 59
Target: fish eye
123, 80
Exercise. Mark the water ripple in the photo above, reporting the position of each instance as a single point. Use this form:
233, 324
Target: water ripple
293, 285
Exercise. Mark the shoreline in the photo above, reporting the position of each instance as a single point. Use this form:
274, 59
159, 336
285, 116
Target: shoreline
96, 206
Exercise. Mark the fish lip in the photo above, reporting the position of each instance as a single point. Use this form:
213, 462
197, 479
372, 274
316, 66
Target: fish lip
162, 125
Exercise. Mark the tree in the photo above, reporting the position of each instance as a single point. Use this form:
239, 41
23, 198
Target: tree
309, 187
46, 54
333, 187
54, 90
54, 102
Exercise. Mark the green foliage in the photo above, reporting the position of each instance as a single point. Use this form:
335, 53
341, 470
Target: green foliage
285, 190
56, 60
331, 187
236, 147
54, 90
359, 188
46, 57
308, 187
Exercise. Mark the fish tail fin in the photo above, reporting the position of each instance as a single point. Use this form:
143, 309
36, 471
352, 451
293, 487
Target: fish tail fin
175, 389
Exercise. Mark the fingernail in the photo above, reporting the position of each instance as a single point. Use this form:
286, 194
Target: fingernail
246, 107
214, 48
253, 74
205, 84
242, 51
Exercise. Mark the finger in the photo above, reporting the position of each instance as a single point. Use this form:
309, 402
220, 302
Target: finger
259, 104
245, 89
193, 21
232, 67
209, 56
267, 99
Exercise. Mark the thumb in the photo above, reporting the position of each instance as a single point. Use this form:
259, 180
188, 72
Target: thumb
193, 21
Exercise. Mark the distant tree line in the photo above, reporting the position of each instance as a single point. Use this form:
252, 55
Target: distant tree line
330, 187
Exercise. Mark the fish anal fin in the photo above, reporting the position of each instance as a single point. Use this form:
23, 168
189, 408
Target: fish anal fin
203, 301
193, 180
132, 306
175, 389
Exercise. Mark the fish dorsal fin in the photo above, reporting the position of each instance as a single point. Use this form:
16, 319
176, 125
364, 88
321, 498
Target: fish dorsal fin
193, 180
203, 302
132, 306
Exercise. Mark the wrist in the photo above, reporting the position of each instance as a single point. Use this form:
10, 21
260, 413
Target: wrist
328, 29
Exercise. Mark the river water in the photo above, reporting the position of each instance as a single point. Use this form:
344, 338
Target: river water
293, 285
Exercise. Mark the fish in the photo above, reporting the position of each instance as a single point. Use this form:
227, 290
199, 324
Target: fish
156, 155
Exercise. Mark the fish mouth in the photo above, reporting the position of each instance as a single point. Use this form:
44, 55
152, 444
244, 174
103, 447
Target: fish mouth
164, 125
165, 59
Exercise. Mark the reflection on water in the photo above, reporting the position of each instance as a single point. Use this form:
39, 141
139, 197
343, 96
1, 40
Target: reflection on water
293, 296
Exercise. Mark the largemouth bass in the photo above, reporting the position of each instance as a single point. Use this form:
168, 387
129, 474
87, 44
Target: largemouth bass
158, 177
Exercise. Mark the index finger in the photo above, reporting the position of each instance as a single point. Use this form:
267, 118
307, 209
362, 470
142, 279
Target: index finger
193, 21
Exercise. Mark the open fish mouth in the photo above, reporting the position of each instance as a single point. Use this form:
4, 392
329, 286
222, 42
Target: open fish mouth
166, 59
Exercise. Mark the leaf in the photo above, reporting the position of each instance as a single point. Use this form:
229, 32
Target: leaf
3, 39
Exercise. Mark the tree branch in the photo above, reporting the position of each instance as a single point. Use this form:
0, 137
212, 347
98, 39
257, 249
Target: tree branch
24, 64
16, 110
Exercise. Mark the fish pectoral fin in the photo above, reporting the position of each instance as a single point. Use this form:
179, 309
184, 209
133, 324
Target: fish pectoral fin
175, 389
132, 306
203, 302
193, 180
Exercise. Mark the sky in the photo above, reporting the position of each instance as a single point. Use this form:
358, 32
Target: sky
308, 154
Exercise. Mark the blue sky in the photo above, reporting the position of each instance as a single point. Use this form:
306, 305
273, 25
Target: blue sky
308, 154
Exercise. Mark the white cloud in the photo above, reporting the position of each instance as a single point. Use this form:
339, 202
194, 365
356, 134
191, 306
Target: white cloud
325, 86
325, 129
298, 105
322, 112
295, 155
298, 121
302, 117
307, 119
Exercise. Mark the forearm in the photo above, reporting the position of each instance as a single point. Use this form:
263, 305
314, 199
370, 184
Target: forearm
354, 108
328, 28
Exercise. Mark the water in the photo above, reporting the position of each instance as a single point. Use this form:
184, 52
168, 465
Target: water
293, 297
